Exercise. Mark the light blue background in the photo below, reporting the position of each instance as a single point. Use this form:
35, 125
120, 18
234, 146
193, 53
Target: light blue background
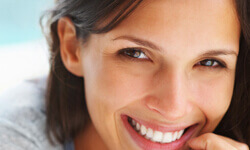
19, 20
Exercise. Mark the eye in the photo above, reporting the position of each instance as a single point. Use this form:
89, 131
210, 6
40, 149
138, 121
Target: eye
210, 63
133, 53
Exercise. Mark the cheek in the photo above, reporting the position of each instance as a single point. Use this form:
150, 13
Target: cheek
116, 88
213, 97
109, 86
108, 89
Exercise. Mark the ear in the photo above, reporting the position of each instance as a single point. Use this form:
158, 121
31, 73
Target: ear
69, 46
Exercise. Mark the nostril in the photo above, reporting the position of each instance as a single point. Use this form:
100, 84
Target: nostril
155, 110
152, 103
171, 109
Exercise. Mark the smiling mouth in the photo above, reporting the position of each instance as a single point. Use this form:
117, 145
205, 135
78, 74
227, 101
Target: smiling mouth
154, 135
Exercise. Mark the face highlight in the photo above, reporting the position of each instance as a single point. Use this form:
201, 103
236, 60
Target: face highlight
162, 76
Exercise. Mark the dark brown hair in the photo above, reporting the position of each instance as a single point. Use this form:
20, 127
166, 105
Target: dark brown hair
66, 109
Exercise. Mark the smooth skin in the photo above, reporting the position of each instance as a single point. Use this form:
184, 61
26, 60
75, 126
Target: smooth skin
183, 74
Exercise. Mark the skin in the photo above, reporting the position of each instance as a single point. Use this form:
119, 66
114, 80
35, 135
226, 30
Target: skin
169, 86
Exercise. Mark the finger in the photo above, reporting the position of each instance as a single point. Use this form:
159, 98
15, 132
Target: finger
210, 141
238, 145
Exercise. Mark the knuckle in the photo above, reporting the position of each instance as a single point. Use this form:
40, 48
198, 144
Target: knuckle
243, 146
209, 136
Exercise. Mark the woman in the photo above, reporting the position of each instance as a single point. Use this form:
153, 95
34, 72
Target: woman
149, 74
152, 70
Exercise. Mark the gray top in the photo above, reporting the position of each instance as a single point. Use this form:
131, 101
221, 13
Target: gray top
22, 118
69, 146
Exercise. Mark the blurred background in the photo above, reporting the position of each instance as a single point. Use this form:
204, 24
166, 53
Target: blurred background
23, 48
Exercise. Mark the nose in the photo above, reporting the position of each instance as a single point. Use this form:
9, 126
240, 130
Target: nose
170, 95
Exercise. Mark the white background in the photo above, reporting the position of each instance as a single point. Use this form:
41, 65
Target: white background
23, 48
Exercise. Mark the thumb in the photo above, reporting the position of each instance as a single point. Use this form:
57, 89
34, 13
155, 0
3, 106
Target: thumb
209, 141
198, 143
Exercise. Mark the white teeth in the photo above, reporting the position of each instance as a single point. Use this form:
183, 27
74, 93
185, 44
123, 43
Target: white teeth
174, 137
157, 136
180, 134
133, 122
167, 138
143, 130
150, 133
138, 126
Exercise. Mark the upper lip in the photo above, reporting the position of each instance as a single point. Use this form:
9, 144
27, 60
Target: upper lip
161, 126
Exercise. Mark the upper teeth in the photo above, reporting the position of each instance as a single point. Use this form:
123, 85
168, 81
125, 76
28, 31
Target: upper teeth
156, 136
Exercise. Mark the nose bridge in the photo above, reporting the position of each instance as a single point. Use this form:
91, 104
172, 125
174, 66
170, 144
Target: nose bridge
170, 97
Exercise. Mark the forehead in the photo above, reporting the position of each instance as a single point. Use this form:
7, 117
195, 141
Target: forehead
183, 23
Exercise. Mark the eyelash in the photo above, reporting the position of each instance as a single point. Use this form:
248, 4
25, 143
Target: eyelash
124, 52
211, 64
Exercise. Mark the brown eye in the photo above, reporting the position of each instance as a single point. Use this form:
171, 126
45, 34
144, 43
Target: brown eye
134, 53
210, 63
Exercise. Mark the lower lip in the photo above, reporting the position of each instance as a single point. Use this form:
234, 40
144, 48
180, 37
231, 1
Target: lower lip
149, 145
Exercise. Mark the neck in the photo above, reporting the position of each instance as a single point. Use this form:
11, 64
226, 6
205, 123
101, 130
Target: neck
89, 139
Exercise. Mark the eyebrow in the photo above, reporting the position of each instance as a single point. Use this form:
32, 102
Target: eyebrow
139, 42
219, 52
145, 43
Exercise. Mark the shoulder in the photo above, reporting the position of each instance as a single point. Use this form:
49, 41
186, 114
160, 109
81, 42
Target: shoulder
23, 118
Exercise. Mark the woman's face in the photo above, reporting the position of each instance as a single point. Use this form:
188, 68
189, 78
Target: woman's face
169, 66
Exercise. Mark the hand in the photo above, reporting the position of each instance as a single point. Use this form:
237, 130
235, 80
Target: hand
211, 141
